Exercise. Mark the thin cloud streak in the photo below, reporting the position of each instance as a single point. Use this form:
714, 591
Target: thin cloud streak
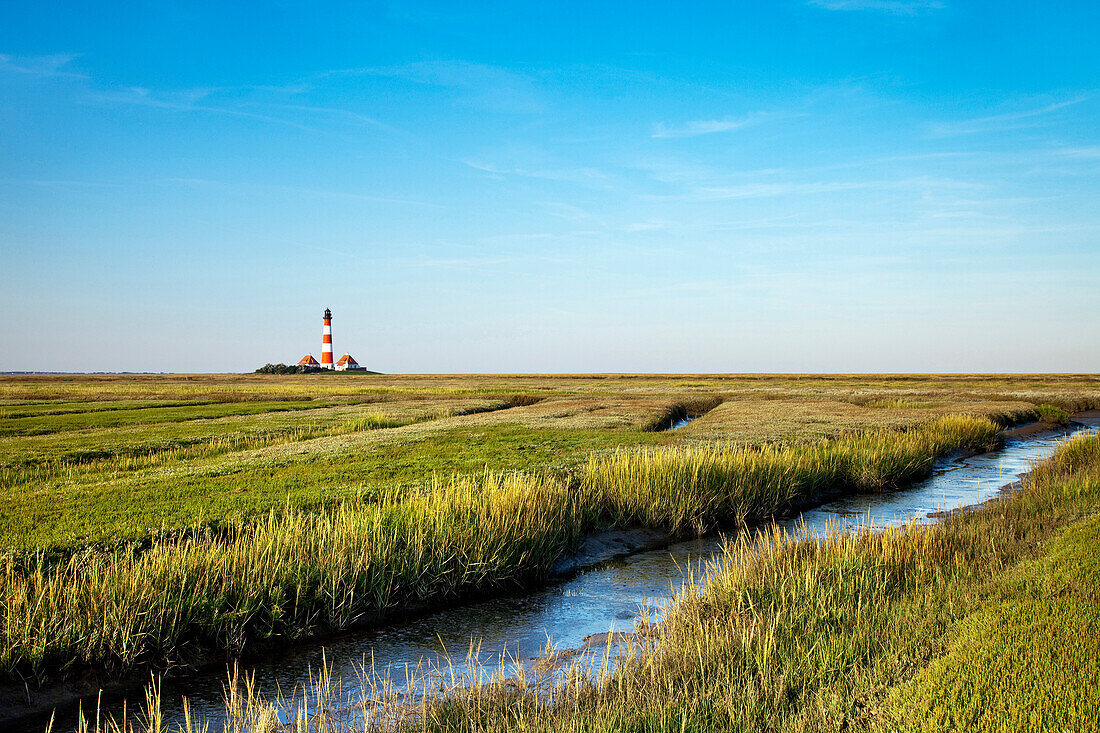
464, 263
787, 188
337, 112
194, 99
590, 176
893, 7
49, 65
1086, 153
305, 191
1006, 121
696, 128
481, 85
184, 101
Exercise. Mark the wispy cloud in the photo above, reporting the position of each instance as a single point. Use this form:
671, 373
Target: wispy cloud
650, 225
767, 190
894, 7
1091, 152
258, 102
585, 175
236, 101
695, 128
51, 65
481, 85
1006, 121
339, 113
463, 263
774, 189
60, 184
186, 100
319, 193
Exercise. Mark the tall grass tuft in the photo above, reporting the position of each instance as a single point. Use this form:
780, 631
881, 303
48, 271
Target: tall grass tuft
283, 575
371, 421
681, 486
1053, 414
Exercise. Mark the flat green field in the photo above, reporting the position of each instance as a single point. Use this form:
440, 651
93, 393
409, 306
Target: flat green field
101, 458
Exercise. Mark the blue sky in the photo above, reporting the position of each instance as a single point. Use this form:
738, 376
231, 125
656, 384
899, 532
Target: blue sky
837, 185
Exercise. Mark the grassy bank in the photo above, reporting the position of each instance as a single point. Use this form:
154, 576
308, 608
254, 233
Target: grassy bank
698, 485
987, 622
292, 573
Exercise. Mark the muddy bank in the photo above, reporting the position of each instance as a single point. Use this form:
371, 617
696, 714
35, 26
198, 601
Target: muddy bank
607, 545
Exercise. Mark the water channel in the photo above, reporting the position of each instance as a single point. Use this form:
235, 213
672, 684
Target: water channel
609, 597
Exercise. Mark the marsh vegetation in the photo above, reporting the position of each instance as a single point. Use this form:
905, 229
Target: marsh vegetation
149, 521
986, 621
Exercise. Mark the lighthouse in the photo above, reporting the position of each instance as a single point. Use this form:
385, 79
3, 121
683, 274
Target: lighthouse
326, 342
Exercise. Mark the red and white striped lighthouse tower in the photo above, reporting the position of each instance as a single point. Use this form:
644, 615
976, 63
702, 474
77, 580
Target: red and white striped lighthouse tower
326, 342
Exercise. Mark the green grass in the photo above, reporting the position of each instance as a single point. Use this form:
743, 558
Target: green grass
108, 473
147, 415
61, 463
986, 622
1053, 414
106, 508
1016, 666
1029, 659
291, 573
38, 409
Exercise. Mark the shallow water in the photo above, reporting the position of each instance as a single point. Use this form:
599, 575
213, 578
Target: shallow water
681, 422
609, 597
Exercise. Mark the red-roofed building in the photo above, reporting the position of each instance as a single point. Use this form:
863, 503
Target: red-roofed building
346, 362
308, 360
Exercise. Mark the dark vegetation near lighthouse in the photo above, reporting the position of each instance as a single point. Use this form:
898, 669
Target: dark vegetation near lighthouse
285, 369
301, 369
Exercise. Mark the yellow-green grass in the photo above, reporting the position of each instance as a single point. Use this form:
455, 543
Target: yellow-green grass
108, 482
698, 485
104, 508
150, 414
986, 622
1061, 389
112, 449
122, 483
282, 575
291, 573
989, 621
